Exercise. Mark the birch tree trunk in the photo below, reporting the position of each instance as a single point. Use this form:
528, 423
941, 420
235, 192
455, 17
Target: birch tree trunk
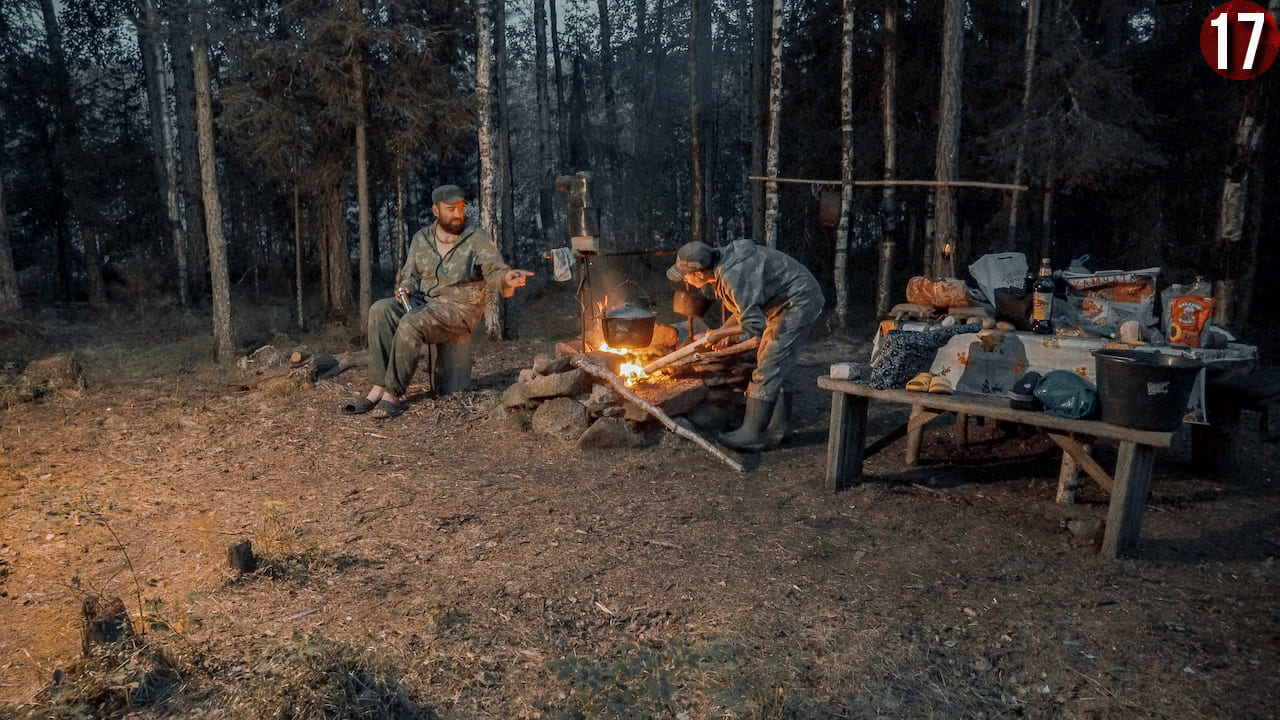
841, 269
699, 95
889, 229
184, 96
148, 26
223, 338
606, 70
948, 149
775, 118
362, 165
488, 183
1028, 64
10, 298
95, 286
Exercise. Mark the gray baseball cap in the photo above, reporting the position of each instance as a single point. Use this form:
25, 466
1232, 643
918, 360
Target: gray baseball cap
447, 194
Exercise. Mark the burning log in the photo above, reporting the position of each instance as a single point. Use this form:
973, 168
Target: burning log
620, 387
691, 348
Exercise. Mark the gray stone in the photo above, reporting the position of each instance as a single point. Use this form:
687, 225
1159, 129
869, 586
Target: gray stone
513, 419
674, 397
609, 433
565, 384
548, 364
563, 418
514, 397
710, 417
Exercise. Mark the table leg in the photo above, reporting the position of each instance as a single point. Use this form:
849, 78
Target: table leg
1069, 476
846, 439
915, 432
962, 429
1124, 515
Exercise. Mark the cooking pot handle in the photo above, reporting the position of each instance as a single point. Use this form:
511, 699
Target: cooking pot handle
648, 304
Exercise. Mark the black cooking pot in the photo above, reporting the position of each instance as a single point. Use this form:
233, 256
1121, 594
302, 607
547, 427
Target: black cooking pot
690, 303
628, 326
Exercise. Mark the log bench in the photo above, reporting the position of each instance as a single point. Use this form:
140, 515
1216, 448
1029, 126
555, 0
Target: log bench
847, 448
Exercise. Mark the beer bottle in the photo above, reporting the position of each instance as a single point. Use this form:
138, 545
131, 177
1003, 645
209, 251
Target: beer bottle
1042, 300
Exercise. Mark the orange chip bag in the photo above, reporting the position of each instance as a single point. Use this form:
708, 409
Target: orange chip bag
1188, 318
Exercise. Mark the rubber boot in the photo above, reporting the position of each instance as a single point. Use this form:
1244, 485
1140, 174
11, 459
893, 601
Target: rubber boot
751, 435
780, 422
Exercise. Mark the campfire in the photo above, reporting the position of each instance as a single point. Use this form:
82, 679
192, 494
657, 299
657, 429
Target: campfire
631, 371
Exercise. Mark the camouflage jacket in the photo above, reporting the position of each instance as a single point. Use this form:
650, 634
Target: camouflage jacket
757, 284
461, 277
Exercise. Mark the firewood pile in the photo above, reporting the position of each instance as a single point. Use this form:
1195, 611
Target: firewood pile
582, 397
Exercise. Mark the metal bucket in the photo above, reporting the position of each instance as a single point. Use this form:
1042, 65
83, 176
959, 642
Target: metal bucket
1144, 390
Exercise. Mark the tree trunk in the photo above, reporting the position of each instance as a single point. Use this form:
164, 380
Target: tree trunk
297, 256
506, 218
362, 168
224, 350
841, 264
333, 240
699, 98
94, 285
185, 102
606, 72
64, 136
488, 182
775, 119
148, 27
761, 27
10, 298
561, 141
401, 229
944, 235
546, 185
888, 237
1028, 64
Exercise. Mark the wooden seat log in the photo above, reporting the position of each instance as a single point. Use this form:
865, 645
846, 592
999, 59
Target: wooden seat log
847, 447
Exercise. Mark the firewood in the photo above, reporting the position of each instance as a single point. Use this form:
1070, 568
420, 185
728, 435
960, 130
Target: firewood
621, 388
738, 349
691, 348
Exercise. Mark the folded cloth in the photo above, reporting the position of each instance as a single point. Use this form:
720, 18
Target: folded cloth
562, 262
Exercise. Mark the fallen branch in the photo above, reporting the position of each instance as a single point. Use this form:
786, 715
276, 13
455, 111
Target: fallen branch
621, 388
323, 367
738, 349
691, 348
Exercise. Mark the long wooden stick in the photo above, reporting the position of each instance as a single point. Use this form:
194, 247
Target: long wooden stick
898, 183
618, 385
692, 347
744, 346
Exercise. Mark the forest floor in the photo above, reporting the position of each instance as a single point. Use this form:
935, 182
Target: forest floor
436, 565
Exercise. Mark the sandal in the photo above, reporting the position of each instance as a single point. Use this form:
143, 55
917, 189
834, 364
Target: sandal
939, 385
919, 383
385, 409
358, 407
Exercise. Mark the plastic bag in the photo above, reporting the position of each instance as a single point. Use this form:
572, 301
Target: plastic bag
1189, 319
944, 293
1066, 394
1098, 302
999, 270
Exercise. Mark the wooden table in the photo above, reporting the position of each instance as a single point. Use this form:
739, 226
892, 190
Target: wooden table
847, 447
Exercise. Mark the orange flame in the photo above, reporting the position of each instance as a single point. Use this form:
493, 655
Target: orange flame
631, 370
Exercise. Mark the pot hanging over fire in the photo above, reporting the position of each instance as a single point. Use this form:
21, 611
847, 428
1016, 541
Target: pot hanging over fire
690, 303
628, 326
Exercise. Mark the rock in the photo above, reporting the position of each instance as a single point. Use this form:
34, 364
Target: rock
608, 433
673, 397
546, 364
565, 384
515, 397
560, 417
710, 417
57, 372
516, 419
1085, 531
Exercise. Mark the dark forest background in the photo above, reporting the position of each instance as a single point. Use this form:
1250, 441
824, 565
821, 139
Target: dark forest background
1129, 138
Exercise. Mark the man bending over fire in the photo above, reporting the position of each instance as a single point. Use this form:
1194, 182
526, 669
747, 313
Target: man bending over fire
774, 298
440, 294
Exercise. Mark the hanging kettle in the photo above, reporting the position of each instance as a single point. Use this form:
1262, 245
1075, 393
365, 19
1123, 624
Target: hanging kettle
628, 325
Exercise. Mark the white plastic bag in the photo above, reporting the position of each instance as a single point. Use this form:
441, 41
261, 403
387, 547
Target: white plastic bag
999, 270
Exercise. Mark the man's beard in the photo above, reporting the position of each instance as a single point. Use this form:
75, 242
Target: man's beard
453, 227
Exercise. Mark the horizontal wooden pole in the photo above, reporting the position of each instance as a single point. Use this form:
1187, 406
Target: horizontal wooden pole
884, 183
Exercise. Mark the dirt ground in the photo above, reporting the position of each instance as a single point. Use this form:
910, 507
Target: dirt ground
437, 566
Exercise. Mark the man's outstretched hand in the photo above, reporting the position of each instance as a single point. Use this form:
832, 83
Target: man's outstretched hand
514, 279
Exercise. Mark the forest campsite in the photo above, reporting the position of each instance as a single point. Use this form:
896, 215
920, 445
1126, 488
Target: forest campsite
207, 210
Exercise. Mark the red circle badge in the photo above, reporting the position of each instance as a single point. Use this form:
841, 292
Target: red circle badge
1239, 40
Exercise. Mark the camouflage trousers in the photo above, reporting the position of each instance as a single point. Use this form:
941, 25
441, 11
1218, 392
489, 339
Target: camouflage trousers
784, 336
398, 338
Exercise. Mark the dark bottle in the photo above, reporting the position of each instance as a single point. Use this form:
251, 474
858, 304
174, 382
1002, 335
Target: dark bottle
1042, 300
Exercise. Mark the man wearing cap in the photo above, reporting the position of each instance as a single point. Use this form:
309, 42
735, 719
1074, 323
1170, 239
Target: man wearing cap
440, 294
774, 298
